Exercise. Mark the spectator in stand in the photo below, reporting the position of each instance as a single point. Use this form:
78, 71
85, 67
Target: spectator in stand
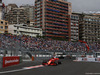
14, 42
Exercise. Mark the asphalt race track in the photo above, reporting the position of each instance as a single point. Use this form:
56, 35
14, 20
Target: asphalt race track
68, 67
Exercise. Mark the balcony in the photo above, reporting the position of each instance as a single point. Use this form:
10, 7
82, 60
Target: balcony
57, 29
56, 6
56, 10
57, 23
56, 26
57, 19
57, 13
56, 16
57, 32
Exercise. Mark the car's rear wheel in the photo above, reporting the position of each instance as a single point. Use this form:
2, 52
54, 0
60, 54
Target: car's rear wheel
56, 63
44, 62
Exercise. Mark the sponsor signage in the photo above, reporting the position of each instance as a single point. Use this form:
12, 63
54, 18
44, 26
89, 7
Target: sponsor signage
84, 59
98, 59
8, 61
89, 56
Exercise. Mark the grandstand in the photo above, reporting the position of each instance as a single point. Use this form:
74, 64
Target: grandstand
17, 45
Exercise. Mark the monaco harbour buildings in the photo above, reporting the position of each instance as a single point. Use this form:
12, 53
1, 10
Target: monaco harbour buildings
23, 29
89, 27
53, 16
30, 11
3, 26
9, 7
2, 5
17, 16
74, 27
3, 23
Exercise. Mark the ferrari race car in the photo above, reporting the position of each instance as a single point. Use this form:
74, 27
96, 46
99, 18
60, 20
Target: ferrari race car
52, 61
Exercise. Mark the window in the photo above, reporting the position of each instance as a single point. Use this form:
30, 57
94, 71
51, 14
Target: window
6, 31
14, 31
5, 23
6, 27
17, 27
1, 22
1, 27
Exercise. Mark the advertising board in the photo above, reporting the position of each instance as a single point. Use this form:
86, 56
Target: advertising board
8, 61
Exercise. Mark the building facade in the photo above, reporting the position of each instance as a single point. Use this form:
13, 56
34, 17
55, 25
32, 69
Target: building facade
89, 28
30, 11
2, 6
3, 26
31, 23
22, 29
53, 16
17, 16
74, 27
9, 7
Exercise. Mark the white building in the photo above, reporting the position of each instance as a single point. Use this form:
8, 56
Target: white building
21, 29
1, 10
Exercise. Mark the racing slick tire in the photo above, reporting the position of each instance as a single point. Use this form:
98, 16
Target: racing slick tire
55, 63
59, 62
44, 62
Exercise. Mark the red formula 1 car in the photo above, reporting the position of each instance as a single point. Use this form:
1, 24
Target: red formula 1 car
52, 61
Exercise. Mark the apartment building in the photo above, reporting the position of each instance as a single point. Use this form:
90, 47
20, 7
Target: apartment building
2, 6
89, 28
30, 11
17, 16
9, 7
74, 27
53, 16
3, 26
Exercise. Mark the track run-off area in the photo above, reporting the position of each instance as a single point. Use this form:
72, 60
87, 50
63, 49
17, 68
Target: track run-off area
68, 67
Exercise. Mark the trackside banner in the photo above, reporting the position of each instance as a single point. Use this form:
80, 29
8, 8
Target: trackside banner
8, 61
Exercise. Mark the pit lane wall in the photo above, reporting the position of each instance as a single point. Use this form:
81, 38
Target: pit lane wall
9, 61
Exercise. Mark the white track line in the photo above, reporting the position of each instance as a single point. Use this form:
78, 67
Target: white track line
25, 68
33, 67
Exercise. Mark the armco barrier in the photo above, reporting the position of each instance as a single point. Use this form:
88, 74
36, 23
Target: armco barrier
1, 60
90, 59
8, 61
79, 59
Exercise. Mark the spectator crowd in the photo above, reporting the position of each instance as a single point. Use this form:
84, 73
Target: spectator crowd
22, 42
